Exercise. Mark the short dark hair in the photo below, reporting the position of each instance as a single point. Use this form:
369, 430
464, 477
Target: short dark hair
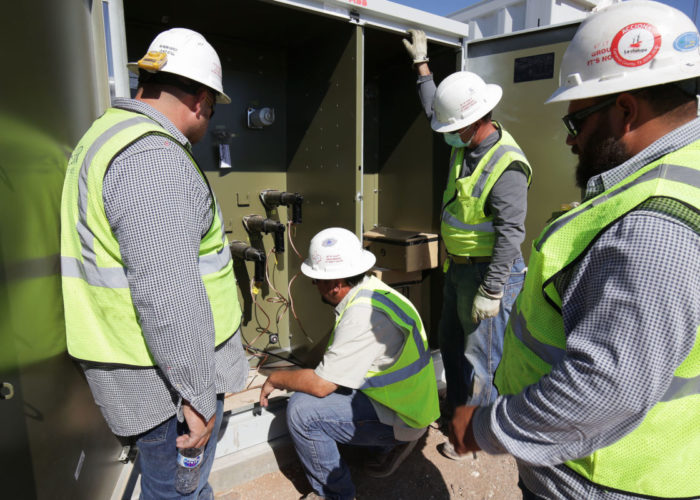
170, 79
669, 96
354, 280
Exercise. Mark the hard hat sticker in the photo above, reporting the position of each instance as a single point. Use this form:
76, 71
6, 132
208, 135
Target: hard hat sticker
635, 44
686, 41
465, 105
329, 242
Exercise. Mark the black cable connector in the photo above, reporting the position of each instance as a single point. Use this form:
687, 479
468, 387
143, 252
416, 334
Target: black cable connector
272, 198
259, 224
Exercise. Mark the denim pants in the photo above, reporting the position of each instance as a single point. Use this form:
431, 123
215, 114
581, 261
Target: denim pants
158, 460
471, 351
318, 424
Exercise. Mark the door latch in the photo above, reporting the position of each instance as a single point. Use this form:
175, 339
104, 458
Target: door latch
7, 390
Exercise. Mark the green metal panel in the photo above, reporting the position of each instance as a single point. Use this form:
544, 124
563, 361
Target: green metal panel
535, 126
55, 443
323, 164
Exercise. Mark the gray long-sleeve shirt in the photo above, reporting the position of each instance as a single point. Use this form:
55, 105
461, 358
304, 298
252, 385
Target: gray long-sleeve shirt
159, 208
507, 201
631, 310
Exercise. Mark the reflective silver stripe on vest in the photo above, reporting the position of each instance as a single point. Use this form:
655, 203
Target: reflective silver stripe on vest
87, 269
214, 262
108, 277
682, 387
488, 168
423, 354
452, 221
548, 353
677, 173
115, 277
679, 388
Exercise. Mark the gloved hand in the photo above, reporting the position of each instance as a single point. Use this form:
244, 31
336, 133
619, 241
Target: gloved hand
486, 305
418, 50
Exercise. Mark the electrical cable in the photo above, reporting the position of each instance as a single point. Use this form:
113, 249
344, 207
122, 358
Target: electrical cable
291, 282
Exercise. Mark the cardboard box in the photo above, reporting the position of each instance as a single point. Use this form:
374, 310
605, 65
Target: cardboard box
397, 278
401, 250
409, 284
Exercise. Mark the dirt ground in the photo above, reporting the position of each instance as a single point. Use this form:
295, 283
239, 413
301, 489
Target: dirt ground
425, 475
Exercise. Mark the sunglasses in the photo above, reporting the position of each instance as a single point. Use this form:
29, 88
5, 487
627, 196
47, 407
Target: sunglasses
574, 121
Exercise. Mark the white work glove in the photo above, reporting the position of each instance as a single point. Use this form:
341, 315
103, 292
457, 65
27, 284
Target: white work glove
486, 305
418, 50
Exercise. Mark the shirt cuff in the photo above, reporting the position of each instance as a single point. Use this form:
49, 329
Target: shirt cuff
481, 425
205, 403
424, 78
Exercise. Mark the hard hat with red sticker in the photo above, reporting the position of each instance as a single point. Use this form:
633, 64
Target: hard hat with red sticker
635, 44
628, 45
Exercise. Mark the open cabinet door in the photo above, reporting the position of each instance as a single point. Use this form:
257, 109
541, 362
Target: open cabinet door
55, 443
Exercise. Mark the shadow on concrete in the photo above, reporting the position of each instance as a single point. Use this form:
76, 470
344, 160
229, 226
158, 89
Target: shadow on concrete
417, 477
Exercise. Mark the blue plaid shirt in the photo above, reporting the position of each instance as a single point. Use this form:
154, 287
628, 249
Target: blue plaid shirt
631, 309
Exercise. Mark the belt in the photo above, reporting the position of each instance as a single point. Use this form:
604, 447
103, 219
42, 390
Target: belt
463, 259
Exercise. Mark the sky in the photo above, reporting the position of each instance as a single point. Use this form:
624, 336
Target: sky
445, 7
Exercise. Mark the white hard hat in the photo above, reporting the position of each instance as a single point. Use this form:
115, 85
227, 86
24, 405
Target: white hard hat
626, 46
461, 99
336, 253
184, 52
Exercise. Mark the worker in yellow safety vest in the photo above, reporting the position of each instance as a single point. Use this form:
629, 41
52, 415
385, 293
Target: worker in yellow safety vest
601, 365
482, 226
376, 383
151, 305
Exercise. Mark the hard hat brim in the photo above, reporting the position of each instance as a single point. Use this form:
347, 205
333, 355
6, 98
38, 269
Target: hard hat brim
221, 97
624, 83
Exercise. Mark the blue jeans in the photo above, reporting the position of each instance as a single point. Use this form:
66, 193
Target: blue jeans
318, 424
471, 351
158, 460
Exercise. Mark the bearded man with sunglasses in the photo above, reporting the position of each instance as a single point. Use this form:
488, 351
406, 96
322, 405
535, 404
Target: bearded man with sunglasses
601, 362
483, 225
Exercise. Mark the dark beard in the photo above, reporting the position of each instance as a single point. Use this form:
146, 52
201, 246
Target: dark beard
603, 152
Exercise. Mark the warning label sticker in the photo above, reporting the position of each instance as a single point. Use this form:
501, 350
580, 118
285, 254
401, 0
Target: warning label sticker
635, 44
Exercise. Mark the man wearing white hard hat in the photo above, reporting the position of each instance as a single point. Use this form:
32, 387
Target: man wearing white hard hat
151, 305
375, 386
601, 366
483, 225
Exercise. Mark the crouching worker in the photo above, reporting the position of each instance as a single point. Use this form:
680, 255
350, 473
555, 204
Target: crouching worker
376, 383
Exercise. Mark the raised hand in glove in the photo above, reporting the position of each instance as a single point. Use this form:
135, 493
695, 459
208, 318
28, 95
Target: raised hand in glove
418, 50
486, 305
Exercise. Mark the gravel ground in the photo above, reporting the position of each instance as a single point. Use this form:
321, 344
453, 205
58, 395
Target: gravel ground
425, 474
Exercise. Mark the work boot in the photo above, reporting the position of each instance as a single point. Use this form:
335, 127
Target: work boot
449, 451
312, 496
386, 464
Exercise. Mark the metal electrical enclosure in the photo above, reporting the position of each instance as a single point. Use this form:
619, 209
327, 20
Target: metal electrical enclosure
349, 134
526, 65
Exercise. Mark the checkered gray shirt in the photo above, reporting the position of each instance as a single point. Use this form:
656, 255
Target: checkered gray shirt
631, 310
159, 208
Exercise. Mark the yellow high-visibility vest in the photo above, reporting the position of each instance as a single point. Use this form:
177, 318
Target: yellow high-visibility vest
101, 321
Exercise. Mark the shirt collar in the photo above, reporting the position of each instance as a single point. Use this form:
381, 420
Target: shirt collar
343, 303
673, 141
145, 109
488, 142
